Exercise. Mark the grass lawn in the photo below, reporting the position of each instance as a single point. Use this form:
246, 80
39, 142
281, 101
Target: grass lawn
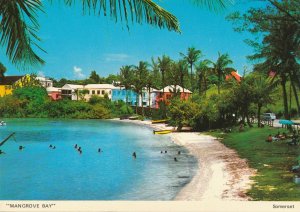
273, 161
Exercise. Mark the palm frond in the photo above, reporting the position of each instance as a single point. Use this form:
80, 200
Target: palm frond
139, 11
18, 30
214, 5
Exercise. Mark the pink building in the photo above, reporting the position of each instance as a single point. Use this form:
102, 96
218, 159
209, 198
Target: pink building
54, 93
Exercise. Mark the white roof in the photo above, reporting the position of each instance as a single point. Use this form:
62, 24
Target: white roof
43, 79
171, 88
53, 89
71, 86
100, 86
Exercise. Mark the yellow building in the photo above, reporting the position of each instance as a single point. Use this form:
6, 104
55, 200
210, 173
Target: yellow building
7, 83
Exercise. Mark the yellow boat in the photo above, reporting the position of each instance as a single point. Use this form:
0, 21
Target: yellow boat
160, 132
159, 121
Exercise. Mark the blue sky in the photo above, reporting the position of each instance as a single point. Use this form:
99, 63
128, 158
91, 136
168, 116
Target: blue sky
78, 44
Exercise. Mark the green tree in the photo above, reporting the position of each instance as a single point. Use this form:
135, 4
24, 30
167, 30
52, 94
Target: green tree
95, 77
202, 72
126, 78
139, 82
262, 89
221, 67
19, 23
191, 57
277, 41
2, 70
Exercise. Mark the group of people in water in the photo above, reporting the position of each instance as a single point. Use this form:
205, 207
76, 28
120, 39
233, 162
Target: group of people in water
175, 159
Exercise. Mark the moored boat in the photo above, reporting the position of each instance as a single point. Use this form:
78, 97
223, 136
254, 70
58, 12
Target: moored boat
159, 121
2, 123
160, 132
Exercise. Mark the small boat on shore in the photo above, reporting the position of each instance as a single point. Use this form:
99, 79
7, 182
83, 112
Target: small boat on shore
163, 121
160, 132
2, 123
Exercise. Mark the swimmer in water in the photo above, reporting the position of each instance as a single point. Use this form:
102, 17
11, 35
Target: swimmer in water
99, 150
179, 152
53, 147
161, 152
21, 147
50, 146
75, 146
166, 151
1, 152
175, 159
134, 155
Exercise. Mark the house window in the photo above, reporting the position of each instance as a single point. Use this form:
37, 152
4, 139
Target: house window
98, 92
102, 92
93, 91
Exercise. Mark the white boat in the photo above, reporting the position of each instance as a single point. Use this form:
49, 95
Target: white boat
2, 123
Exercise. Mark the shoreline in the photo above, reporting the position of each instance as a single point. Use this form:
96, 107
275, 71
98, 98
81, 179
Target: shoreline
221, 174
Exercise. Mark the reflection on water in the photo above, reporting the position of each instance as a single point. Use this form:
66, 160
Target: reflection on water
43, 173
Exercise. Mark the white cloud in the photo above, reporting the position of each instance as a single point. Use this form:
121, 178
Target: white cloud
40, 74
78, 72
116, 57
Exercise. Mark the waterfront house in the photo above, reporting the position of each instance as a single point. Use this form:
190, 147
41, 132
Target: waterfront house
98, 90
234, 75
165, 94
8, 83
119, 93
54, 93
45, 82
148, 97
72, 92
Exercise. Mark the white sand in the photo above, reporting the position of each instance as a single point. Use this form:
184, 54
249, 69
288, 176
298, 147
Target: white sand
222, 175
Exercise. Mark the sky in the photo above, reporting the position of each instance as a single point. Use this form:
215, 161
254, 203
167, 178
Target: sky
77, 44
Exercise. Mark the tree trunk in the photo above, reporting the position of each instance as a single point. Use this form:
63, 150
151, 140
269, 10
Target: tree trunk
296, 96
127, 101
205, 86
258, 115
136, 103
219, 82
191, 64
285, 101
142, 103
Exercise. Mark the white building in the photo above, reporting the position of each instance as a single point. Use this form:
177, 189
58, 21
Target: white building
72, 92
98, 90
145, 100
45, 82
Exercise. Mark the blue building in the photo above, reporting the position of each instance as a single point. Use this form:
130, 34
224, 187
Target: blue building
119, 93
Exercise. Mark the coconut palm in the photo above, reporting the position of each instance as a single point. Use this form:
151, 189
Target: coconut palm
2, 70
221, 67
262, 89
191, 57
19, 24
202, 69
126, 76
139, 82
164, 65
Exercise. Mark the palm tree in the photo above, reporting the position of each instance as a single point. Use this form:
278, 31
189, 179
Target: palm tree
19, 24
191, 57
126, 76
139, 81
262, 89
164, 64
2, 70
202, 69
221, 67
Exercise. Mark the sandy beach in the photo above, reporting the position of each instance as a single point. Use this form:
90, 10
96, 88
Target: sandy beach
221, 174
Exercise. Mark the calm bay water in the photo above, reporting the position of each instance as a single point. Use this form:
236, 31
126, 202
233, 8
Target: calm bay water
41, 173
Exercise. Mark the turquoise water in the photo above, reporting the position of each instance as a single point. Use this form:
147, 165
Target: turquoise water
41, 173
